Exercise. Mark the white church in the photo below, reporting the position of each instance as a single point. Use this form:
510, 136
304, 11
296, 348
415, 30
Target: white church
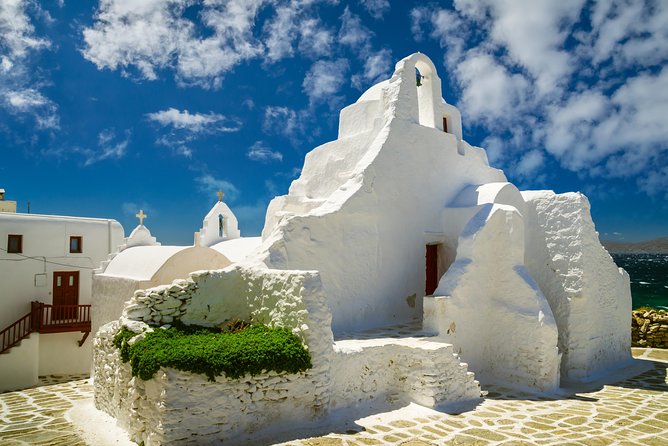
411, 269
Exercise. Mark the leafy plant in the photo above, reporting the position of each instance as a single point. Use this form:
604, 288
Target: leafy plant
208, 351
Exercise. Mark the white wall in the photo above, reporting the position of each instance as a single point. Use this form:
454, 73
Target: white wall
377, 194
60, 354
589, 295
109, 295
47, 237
491, 310
19, 367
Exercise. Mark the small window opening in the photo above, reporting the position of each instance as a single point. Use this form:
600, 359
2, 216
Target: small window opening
14, 243
418, 78
445, 124
76, 244
221, 225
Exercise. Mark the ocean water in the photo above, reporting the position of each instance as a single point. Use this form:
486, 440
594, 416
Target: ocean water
649, 278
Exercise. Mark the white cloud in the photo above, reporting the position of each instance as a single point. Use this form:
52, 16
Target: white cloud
260, 152
144, 39
17, 33
110, 146
489, 91
495, 150
281, 33
353, 33
193, 122
530, 163
588, 86
293, 23
656, 183
282, 120
29, 101
377, 68
315, 39
324, 80
376, 8
209, 184
186, 127
19, 85
154, 34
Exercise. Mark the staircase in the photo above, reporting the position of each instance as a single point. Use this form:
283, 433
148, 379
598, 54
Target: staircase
45, 318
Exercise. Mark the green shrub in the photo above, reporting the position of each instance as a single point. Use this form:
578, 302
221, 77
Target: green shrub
208, 351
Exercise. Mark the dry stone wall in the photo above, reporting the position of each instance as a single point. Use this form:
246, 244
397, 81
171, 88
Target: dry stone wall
384, 372
163, 304
649, 328
177, 407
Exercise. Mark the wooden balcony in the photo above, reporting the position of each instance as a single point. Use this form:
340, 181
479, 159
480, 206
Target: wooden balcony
45, 318
60, 318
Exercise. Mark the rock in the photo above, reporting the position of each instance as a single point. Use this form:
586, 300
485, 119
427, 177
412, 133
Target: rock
168, 303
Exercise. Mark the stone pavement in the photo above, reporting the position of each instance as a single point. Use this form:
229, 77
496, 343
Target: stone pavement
631, 412
37, 416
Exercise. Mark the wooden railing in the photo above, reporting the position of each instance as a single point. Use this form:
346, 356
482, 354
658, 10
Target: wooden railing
60, 318
45, 318
15, 333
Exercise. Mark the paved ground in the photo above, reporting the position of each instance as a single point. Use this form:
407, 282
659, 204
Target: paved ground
631, 412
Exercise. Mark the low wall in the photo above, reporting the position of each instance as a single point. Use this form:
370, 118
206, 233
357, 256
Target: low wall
649, 328
384, 373
179, 407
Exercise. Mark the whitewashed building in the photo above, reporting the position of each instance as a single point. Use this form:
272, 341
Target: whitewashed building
410, 268
48, 259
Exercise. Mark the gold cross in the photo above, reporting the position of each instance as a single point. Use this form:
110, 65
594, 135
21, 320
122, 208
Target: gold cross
220, 194
141, 216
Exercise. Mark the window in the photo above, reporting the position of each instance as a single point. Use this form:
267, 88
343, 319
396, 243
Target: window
221, 225
14, 243
76, 246
445, 124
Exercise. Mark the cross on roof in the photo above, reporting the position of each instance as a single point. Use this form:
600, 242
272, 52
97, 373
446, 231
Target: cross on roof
220, 194
141, 216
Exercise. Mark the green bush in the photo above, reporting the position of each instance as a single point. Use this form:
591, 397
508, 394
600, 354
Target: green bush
211, 352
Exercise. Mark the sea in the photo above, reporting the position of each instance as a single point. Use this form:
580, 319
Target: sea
649, 278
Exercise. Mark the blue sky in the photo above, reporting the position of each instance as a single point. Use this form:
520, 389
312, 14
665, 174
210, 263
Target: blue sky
111, 106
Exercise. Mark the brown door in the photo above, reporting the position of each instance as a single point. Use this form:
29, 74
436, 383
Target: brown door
65, 292
431, 270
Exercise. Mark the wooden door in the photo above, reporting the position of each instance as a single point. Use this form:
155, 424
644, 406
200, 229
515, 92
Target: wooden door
65, 292
431, 282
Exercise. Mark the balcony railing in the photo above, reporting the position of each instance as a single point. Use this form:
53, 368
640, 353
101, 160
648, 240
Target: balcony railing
60, 318
45, 318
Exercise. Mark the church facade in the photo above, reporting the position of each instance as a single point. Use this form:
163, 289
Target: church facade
410, 268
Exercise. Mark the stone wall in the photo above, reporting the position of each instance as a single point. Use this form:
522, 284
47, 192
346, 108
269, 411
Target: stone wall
162, 304
381, 373
649, 328
177, 407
